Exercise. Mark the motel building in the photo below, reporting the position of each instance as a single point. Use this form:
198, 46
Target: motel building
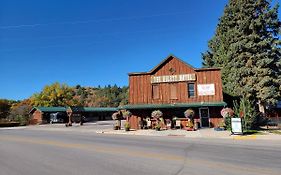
43, 115
172, 87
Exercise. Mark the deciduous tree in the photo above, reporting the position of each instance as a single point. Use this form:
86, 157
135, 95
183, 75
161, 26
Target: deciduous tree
54, 95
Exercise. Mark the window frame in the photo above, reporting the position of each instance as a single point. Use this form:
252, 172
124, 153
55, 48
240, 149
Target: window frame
155, 93
173, 86
189, 92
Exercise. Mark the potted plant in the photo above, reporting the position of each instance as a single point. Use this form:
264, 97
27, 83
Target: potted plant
127, 114
117, 117
156, 114
189, 114
127, 126
189, 126
116, 127
227, 112
158, 126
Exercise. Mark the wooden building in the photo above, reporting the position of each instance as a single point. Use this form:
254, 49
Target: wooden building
174, 86
41, 115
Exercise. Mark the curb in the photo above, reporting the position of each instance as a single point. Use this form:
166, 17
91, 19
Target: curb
13, 128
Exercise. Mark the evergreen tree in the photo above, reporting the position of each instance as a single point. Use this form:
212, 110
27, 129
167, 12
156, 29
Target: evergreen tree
5, 106
246, 46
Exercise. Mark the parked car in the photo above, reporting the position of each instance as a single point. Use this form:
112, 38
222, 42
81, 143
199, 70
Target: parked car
57, 117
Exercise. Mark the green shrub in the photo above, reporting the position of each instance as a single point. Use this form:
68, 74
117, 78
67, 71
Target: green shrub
127, 126
246, 110
227, 121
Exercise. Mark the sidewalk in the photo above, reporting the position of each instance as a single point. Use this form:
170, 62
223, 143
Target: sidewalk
106, 128
202, 133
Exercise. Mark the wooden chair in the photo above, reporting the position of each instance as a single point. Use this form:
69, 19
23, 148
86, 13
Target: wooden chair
148, 124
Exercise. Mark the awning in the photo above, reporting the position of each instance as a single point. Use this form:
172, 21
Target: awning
93, 109
73, 109
174, 105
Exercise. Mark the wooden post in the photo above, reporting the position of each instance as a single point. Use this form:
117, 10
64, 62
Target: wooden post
69, 114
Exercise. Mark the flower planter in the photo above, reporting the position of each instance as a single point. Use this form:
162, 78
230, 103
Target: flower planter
189, 129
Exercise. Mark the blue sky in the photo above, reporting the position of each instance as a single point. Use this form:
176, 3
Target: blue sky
97, 42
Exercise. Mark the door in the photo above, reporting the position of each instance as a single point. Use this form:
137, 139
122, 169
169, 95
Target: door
204, 116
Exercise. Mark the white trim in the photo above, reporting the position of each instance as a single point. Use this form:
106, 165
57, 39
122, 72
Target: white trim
201, 117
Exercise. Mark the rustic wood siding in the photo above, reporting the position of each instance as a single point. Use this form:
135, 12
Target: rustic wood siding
140, 87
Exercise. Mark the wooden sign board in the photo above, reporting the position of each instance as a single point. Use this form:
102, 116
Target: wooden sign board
173, 78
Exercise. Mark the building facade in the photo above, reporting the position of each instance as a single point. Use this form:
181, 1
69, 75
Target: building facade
42, 115
174, 86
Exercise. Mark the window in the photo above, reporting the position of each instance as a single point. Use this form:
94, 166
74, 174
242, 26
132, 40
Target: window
173, 89
155, 92
191, 90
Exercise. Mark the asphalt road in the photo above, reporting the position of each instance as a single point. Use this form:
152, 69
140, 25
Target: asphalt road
27, 152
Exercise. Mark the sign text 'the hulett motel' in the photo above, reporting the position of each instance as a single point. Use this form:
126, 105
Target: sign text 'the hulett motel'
173, 78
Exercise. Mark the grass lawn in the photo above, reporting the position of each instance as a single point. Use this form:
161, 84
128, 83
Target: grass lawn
254, 132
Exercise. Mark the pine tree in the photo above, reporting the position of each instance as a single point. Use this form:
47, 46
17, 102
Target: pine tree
246, 46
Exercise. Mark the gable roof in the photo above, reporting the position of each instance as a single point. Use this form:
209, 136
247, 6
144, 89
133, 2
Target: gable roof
48, 109
161, 64
166, 60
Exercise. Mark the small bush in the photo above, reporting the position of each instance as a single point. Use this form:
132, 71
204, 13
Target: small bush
127, 126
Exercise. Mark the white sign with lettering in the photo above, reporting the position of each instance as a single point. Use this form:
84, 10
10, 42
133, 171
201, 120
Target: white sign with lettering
173, 78
236, 126
206, 89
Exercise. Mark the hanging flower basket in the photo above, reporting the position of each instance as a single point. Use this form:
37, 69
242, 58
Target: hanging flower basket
127, 114
116, 116
189, 113
225, 112
156, 114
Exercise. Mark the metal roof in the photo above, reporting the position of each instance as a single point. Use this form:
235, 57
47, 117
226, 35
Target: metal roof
93, 109
167, 59
48, 109
74, 109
